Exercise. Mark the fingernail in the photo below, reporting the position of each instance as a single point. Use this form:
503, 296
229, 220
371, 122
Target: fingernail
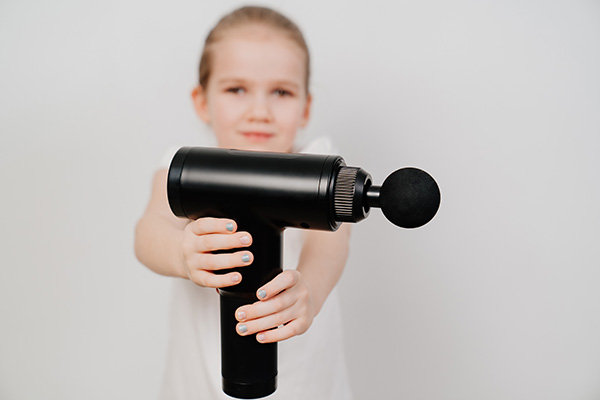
245, 258
260, 337
241, 315
235, 278
245, 240
262, 294
229, 227
242, 328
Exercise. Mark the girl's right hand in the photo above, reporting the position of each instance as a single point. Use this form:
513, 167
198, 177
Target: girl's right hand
205, 235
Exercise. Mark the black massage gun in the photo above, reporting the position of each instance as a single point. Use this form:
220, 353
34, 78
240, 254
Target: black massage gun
266, 193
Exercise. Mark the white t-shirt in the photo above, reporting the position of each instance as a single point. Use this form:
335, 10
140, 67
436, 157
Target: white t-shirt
311, 366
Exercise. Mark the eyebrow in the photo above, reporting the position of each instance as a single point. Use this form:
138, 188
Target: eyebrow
224, 81
287, 83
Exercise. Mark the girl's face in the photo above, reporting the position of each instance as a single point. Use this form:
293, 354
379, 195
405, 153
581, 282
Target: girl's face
256, 97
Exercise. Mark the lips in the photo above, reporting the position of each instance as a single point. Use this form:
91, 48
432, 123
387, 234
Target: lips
255, 136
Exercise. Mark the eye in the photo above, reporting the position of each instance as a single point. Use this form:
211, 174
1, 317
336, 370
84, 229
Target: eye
283, 93
236, 90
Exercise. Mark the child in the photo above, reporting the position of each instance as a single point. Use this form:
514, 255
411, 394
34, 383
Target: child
253, 93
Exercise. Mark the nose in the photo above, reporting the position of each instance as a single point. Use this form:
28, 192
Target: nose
259, 109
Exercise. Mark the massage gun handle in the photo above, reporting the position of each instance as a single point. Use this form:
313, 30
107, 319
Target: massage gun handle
248, 368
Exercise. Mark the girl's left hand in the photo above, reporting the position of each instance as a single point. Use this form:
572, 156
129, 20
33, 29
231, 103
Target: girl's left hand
285, 303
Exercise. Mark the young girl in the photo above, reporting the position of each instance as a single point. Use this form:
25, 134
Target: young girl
253, 93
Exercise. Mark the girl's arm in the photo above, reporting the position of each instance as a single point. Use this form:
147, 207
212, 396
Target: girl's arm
182, 248
293, 298
322, 261
159, 234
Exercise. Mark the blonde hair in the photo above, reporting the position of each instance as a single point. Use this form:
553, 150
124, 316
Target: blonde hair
248, 16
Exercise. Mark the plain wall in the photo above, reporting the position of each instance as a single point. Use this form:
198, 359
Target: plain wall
499, 100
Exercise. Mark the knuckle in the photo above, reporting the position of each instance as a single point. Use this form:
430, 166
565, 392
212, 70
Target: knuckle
187, 247
197, 226
278, 303
209, 262
300, 307
291, 276
213, 281
304, 296
286, 277
185, 250
301, 328
209, 283
208, 242
189, 259
198, 278
294, 329
305, 309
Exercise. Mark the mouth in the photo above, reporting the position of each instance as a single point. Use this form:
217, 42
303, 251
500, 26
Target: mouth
257, 137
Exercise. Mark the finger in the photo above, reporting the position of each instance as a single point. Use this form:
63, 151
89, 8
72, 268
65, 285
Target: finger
294, 328
203, 226
281, 282
265, 323
269, 322
208, 279
263, 308
215, 262
213, 242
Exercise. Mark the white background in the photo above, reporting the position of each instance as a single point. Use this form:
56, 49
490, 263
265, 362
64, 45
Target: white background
497, 298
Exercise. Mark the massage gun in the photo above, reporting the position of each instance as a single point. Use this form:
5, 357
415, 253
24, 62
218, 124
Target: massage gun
266, 193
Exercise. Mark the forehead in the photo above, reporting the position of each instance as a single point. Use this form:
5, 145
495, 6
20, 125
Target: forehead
258, 54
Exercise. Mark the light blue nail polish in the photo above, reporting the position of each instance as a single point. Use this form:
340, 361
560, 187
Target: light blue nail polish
245, 258
242, 328
262, 294
229, 227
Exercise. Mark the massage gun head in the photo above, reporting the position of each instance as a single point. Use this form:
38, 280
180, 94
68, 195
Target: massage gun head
294, 190
409, 197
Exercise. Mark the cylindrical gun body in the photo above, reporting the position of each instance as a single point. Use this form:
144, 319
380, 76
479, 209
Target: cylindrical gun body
286, 190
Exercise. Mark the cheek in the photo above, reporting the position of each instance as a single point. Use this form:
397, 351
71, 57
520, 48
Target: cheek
226, 111
290, 113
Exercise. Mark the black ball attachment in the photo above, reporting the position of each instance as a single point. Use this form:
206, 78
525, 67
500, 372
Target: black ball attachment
409, 198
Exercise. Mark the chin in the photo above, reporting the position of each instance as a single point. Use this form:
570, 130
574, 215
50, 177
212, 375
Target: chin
271, 146
275, 149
